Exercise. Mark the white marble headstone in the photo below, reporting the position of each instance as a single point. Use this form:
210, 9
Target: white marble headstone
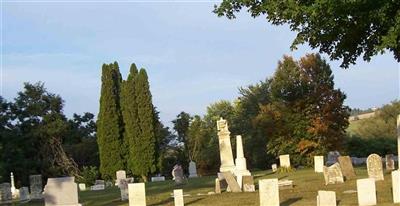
284, 160
366, 192
61, 191
137, 194
396, 186
178, 197
319, 163
269, 192
326, 198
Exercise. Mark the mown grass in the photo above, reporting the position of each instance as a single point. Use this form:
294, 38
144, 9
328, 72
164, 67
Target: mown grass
306, 185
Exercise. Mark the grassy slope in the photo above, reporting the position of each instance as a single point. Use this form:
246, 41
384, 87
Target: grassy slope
307, 183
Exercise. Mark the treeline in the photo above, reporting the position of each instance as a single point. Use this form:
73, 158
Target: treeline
37, 138
297, 111
376, 134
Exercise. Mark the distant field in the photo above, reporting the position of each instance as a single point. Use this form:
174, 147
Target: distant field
307, 183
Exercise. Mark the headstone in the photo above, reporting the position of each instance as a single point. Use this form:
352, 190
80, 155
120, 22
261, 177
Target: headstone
396, 186
36, 186
158, 179
99, 182
269, 192
285, 184
333, 174
192, 169
366, 192
284, 160
24, 193
274, 167
82, 186
241, 166
225, 148
121, 175
232, 183
98, 185
374, 167
13, 189
347, 167
398, 139
332, 157
177, 173
178, 197
319, 163
5, 192
61, 191
217, 186
390, 162
137, 194
248, 184
326, 198
222, 180
123, 187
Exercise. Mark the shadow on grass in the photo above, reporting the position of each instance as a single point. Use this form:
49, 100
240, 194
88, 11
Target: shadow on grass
166, 201
291, 201
193, 201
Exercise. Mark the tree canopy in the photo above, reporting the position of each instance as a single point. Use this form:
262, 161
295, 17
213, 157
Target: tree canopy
342, 29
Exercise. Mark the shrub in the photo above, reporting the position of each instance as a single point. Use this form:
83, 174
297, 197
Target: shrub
89, 175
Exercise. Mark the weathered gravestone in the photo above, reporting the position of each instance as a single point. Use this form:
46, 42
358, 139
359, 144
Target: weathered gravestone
5, 192
36, 186
225, 148
177, 174
269, 192
326, 198
178, 197
248, 184
217, 186
123, 187
61, 191
347, 167
390, 162
366, 192
332, 157
232, 183
374, 167
98, 185
137, 194
396, 186
284, 161
158, 179
121, 175
319, 163
333, 174
192, 169
24, 193
274, 167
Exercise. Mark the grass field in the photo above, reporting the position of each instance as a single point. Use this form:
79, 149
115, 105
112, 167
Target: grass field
306, 182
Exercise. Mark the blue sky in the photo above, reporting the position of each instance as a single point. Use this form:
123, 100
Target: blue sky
193, 58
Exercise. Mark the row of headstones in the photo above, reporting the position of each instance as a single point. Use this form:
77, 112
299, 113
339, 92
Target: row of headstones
23, 192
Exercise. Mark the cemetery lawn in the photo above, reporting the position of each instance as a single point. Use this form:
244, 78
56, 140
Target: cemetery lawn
304, 192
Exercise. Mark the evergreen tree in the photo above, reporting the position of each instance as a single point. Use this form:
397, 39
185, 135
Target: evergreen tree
144, 161
130, 117
109, 130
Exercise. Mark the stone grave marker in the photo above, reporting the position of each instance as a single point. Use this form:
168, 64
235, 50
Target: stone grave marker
178, 197
274, 167
326, 198
232, 183
121, 175
248, 184
192, 169
225, 148
123, 187
319, 164
347, 167
82, 186
222, 181
374, 167
36, 186
366, 192
269, 192
217, 186
61, 191
396, 186
158, 179
390, 162
137, 194
332, 157
24, 193
5, 192
284, 160
333, 174
178, 175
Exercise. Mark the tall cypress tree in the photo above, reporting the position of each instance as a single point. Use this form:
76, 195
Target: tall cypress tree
130, 117
145, 162
109, 123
